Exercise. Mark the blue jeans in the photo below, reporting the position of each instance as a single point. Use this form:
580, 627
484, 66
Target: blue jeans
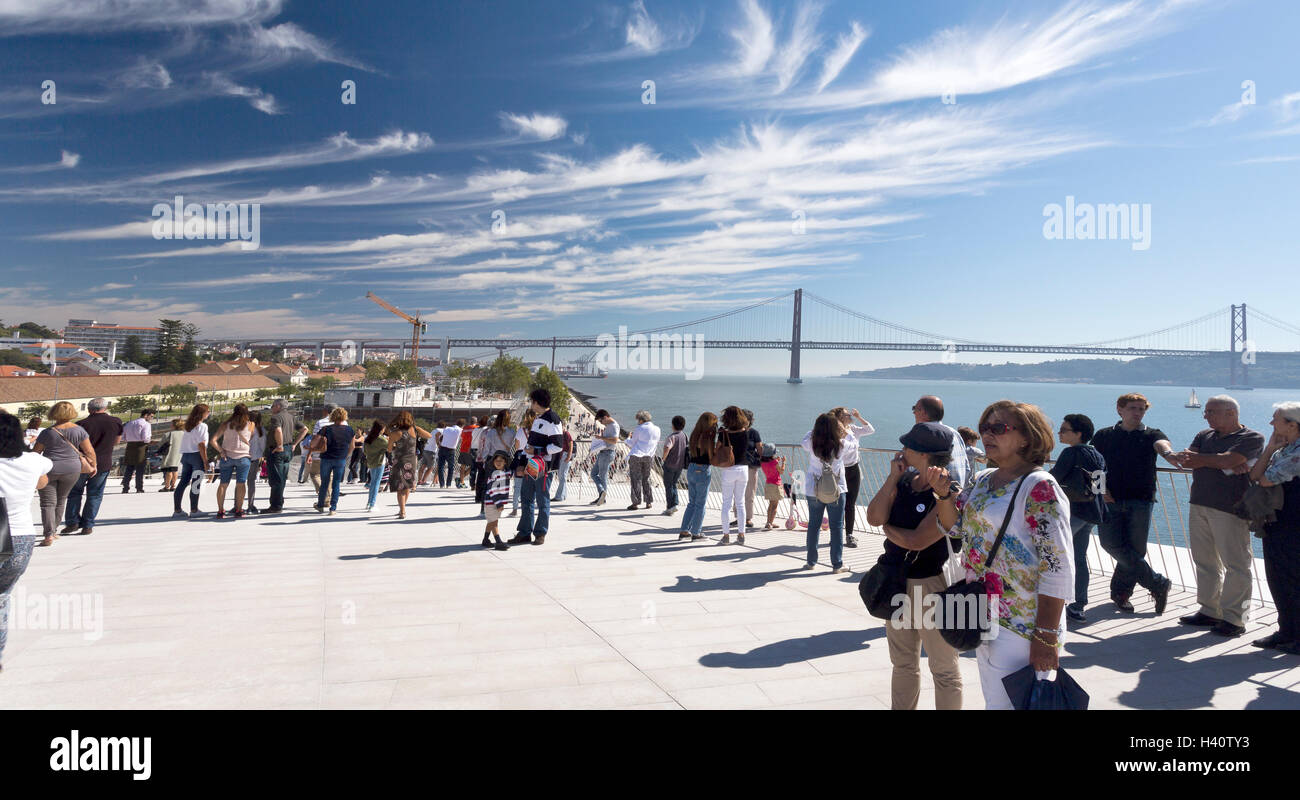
517, 491
670, 486
1124, 536
1082, 533
376, 478
600, 470
535, 490
331, 478
277, 475
236, 466
11, 569
302, 469
836, 513
446, 458
562, 473
93, 487
192, 469
697, 489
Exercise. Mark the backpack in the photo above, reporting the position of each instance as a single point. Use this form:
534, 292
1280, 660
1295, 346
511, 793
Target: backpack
827, 489
1078, 486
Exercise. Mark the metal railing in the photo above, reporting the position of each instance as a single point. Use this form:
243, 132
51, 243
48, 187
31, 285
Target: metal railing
1170, 516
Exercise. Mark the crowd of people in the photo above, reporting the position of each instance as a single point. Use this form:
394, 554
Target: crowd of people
1021, 528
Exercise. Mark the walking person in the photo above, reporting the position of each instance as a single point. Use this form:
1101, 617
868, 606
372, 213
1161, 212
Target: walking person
105, 432
171, 454
402, 433
1130, 448
734, 430
137, 434
311, 447
853, 432
256, 454
475, 454
1080, 471
233, 442
67, 445
375, 449
603, 447
1032, 570
904, 509
31, 432
302, 441
825, 444
334, 443
465, 454
1279, 465
278, 452
1219, 540
753, 458
194, 448
544, 444
429, 455
674, 458
22, 472
642, 444
448, 445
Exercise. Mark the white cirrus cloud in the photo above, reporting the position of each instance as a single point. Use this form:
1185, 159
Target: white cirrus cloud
257, 98
27, 17
541, 127
845, 47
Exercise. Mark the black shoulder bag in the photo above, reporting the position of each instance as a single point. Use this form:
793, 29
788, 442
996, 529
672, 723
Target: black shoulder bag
960, 615
6, 540
883, 583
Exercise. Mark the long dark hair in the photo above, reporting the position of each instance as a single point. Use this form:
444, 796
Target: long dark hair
195, 417
734, 419
502, 421
701, 441
402, 421
827, 437
238, 418
255, 417
11, 438
376, 428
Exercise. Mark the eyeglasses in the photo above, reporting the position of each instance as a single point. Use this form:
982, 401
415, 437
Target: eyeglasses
996, 428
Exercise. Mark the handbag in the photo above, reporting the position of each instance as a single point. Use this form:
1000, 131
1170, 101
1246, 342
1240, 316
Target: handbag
882, 583
723, 455
87, 468
6, 540
960, 615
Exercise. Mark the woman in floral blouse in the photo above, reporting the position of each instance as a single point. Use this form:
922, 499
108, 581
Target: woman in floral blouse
1032, 577
1279, 465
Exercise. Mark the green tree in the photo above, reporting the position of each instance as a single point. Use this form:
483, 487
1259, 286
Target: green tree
267, 393
179, 394
376, 370
166, 358
33, 330
34, 410
403, 371
286, 390
548, 380
133, 351
506, 375
20, 359
129, 404
187, 358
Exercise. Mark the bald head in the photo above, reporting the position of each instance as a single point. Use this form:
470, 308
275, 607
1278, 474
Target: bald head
928, 409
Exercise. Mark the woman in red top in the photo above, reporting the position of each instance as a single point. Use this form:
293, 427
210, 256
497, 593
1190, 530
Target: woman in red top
464, 458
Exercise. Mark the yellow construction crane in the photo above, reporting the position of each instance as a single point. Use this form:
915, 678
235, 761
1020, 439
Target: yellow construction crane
417, 326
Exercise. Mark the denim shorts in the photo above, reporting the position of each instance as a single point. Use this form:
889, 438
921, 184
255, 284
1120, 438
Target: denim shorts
239, 466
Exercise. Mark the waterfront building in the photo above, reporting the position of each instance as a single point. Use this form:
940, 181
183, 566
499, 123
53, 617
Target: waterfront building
95, 335
18, 392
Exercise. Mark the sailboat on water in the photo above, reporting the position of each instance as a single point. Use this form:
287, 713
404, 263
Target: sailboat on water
1192, 402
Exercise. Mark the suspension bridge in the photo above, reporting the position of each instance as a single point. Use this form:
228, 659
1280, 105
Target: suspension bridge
800, 320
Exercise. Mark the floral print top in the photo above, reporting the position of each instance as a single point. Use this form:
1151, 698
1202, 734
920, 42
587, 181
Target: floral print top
1285, 464
1036, 556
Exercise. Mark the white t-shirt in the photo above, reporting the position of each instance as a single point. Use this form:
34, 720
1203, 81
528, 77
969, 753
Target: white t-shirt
431, 444
191, 440
257, 445
851, 445
451, 437
18, 477
610, 431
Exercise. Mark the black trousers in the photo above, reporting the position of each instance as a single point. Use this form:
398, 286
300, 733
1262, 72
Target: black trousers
852, 482
138, 471
1282, 569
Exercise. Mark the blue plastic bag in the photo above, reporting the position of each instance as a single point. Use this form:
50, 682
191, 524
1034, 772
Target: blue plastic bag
1031, 691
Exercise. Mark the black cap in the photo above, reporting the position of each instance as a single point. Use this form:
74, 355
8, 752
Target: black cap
928, 437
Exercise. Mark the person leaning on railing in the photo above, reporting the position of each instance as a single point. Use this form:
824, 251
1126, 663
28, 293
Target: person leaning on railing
1279, 465
1031, 577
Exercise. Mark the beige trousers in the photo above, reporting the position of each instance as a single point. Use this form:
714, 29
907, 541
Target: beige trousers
905, 642
1220, 545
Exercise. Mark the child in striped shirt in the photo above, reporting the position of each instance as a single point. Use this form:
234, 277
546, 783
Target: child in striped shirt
496, 494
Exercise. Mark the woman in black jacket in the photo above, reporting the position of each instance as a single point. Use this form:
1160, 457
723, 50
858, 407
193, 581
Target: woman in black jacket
1079, 470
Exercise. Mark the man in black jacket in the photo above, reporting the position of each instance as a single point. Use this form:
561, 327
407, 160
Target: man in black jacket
545, 441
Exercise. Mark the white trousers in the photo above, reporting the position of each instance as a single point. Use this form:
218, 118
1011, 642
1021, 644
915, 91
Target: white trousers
733, 496
998, 658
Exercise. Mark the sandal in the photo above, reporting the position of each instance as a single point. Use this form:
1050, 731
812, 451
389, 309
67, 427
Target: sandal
48, 540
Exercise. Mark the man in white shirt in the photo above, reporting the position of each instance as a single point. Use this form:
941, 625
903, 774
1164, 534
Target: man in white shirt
930, 409
429, 455
642, 444
602, 452
137, 434
448, 443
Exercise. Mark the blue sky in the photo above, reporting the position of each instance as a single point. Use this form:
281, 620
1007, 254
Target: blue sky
618, 212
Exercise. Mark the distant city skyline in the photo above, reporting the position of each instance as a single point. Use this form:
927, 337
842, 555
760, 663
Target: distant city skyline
992, 171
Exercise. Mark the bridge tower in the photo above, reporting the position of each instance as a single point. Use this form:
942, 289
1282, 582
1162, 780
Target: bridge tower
1238, 356
446, 351
795, 338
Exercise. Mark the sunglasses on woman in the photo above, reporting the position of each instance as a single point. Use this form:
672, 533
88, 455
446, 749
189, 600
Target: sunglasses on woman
996, 428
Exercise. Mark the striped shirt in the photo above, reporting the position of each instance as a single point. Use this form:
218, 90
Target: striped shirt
546, 437
498, 487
